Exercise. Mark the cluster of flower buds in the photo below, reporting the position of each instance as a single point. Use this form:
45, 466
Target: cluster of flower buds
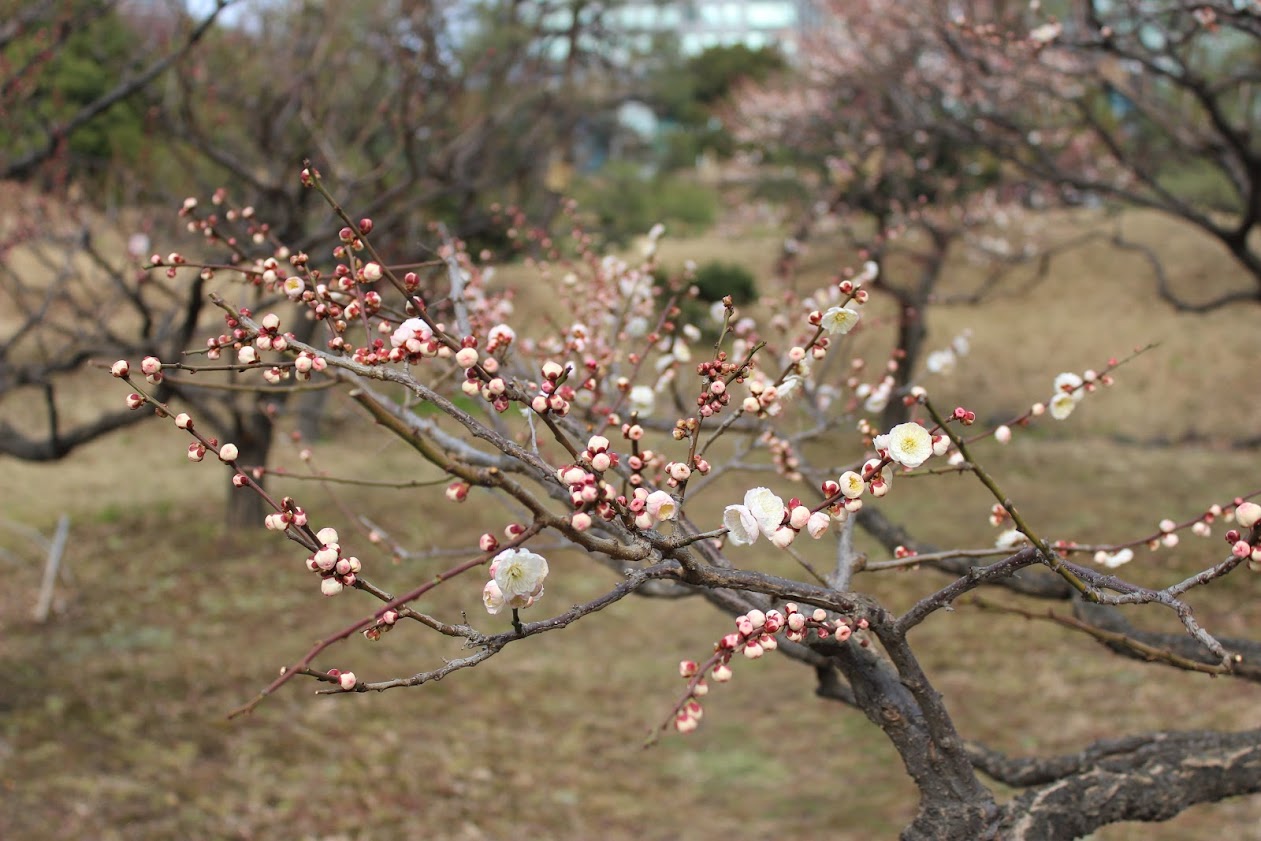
756, 633
305, 363
412, 341
336, 572
290, 514
151, 366
715, 376
553, 395
641, 461
1246, 540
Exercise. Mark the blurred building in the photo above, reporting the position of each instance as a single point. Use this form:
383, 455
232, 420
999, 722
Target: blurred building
701, 24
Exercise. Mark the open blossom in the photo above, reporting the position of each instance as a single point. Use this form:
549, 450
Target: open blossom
660, 505
767, 509
642, 399
909, 444
1112, 560
519, 574
1068, 393
840, 320
741, 525
1062, 405
1010, 539
852, 485
940, 361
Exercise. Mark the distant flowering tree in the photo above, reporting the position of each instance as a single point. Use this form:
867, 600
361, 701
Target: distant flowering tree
606, 426
1149, 104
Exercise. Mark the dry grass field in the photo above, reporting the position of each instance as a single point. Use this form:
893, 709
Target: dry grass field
112, 716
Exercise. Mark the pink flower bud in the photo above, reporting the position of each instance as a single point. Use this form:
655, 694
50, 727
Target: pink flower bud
688, 668
247, 355
120, 368
798, 517
372, 272
783, 537
150, 365
134, 401
327, 536
756, 618
466, 357
347, 680
796, 621
753, 651
679, 471
330, 586
581, 521
1247, 514
183, 421
818, 524
196, 451
721, 673
228, 452
1003, 434
601, 462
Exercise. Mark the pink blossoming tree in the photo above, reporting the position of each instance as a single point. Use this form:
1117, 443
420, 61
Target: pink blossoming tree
617, 430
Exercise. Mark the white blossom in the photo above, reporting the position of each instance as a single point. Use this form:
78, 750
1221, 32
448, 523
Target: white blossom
1062, 405
740, 524
840, 320
910, 445
1010, 539
767, 509
519, 574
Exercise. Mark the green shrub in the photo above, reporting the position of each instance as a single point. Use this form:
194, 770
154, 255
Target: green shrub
715, 280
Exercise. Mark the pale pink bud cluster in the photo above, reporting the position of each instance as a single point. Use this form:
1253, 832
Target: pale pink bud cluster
554, 396
412, 341
1246, 544
290, 514
597, 454
335, 570
151, 366
756, 633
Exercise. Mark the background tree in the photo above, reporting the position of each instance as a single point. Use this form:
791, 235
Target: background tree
425, 116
